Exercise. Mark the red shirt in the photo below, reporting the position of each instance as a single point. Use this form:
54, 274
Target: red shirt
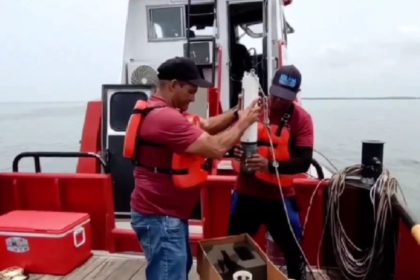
301, 135
155, 193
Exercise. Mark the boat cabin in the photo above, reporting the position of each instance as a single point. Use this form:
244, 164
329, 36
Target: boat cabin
224, 38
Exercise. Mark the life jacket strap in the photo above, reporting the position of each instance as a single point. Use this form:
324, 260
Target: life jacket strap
265, 144
145, 111
169, 171
148, 143
285, 119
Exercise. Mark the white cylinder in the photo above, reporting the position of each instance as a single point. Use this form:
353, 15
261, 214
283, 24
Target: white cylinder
250, 86
242, 275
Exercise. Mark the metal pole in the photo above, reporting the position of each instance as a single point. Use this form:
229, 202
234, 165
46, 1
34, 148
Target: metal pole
188, 27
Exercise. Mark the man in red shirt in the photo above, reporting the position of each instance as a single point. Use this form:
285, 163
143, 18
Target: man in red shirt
160, 210
257, 202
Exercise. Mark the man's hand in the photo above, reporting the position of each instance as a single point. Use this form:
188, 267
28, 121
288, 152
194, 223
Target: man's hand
238, 152
250, 114
256, 163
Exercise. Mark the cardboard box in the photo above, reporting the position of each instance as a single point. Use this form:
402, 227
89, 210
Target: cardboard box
44, 242
219, 258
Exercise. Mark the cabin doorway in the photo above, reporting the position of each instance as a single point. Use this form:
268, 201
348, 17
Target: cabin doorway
246, 45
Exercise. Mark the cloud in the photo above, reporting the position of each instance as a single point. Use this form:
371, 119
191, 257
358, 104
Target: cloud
333, 47
340, 54
58, 50
382, 52
356, 48
377, 66
411, 30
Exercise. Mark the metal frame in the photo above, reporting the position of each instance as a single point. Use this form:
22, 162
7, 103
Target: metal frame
234, 2
37, 155
149, 23
106, 98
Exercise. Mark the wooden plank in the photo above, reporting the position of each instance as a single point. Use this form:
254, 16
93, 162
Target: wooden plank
105, 268
140, 273
137, 265
127, 270
87, 268
127, 267
48, 277
34, 276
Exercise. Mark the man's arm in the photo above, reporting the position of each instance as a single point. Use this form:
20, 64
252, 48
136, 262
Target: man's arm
300, 153
301, 158
215, 146
300, 161
220, 122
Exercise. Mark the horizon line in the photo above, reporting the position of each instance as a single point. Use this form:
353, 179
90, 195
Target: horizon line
302, 98
359, 97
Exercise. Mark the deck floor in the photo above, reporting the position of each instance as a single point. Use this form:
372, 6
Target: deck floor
103, 266
107, 266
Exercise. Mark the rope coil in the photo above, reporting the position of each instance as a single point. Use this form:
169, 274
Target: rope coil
354, 262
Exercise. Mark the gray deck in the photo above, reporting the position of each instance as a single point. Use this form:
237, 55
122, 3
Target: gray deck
103, 266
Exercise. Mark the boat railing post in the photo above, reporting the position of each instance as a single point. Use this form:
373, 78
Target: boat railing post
372, 160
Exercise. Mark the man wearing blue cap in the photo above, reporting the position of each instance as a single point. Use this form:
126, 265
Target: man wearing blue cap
257, 199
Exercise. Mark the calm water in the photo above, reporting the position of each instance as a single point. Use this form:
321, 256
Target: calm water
340, 127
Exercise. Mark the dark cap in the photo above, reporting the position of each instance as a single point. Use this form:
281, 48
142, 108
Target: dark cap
286, 82
182, 69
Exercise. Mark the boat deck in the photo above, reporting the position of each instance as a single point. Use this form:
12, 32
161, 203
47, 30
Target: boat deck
103, 266
109, 266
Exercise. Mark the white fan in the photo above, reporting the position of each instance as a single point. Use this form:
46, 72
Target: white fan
144, 75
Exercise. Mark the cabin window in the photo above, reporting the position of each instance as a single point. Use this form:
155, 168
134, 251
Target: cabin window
119, 102
166, 23
201, 20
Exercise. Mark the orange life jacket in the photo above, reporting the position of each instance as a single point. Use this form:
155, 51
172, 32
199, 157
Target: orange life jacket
281, 151
186, 169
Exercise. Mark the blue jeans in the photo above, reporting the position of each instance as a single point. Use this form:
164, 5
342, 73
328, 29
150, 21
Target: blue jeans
165, 241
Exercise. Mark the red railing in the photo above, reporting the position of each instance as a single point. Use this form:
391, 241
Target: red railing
91, 138
215, 106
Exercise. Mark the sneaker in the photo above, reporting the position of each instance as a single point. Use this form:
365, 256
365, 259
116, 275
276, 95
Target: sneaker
13, 273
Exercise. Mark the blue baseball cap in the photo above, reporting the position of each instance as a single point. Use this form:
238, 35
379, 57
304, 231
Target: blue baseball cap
286, 82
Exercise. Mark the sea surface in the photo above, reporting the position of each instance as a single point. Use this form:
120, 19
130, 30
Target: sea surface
340, 128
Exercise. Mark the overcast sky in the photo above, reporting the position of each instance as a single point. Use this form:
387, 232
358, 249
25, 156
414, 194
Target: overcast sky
64, 50
357, 47
59, 50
